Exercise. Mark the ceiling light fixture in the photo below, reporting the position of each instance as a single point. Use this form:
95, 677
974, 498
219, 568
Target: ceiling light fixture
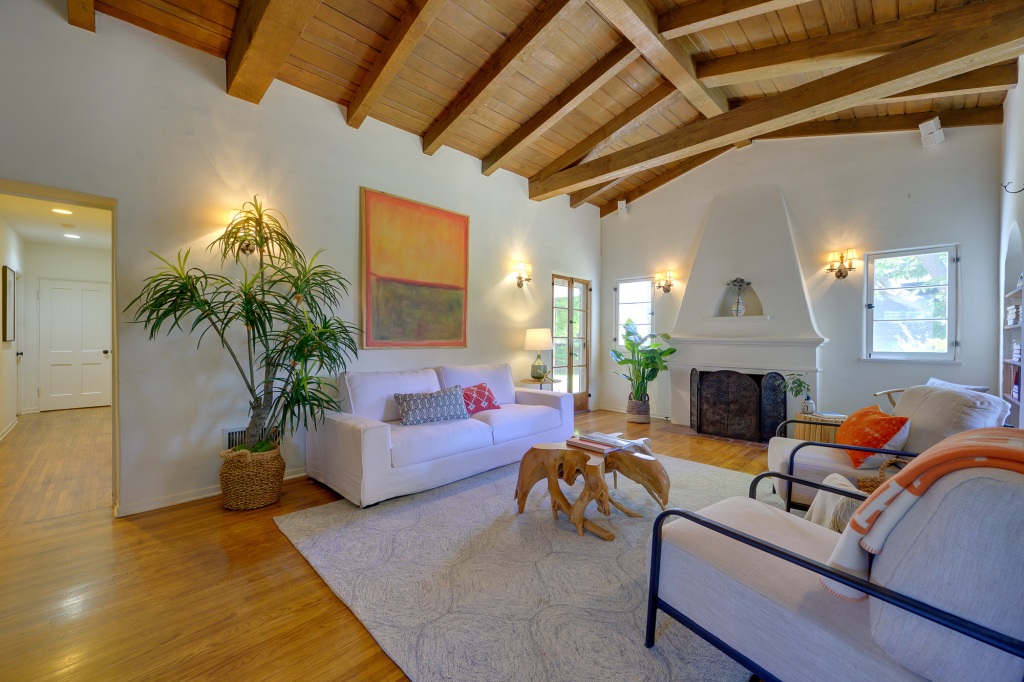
62, 211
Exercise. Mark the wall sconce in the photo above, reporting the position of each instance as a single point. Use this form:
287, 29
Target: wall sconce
841, 265
524, 273
664, 280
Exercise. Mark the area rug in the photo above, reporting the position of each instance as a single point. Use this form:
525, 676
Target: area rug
454, 584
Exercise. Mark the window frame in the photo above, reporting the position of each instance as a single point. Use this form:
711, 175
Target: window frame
617, 339
953, 310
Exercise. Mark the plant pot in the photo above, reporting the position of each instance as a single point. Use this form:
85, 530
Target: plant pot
250, 480
638, 411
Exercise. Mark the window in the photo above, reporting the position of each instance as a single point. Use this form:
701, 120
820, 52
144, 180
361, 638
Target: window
634, 300
912, 301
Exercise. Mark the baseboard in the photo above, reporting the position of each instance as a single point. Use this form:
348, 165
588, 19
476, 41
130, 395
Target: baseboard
10, 427
622, 411
29, 410
190, 496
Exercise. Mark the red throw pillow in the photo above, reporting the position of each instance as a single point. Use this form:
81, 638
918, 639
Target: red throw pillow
871, 428
478, 398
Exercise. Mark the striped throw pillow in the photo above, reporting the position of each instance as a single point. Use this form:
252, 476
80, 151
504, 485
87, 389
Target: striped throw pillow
422, 408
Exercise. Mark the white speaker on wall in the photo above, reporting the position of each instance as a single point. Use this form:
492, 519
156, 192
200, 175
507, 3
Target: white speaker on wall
931, 132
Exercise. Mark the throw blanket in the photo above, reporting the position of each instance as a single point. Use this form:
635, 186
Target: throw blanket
871, 524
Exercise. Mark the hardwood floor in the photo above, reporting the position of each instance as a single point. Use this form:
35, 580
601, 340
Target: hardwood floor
189, 592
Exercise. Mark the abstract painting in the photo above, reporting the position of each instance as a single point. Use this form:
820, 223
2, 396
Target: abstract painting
415, 273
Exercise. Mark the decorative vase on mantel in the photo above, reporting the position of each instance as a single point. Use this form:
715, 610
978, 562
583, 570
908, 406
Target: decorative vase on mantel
739, 284
738, 309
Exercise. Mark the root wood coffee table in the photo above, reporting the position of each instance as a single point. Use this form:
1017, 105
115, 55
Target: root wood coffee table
554, 461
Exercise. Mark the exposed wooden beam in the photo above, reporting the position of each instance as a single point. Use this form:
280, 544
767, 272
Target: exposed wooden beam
580, 197
401, 43
668, 176
847, 48
507, 59
705, 14
637, 21
633, 115
264, 34
82, 13
633, 126
988, 79
951, 118
570, 98
909, 67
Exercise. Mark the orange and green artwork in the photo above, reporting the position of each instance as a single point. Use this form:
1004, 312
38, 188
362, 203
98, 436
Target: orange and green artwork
415, 273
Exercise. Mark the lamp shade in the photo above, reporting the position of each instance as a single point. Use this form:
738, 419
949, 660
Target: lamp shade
538, 339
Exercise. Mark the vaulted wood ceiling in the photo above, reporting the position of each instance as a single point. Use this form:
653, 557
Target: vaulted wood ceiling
609, 99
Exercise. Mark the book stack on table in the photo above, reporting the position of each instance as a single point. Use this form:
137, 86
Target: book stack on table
598, 442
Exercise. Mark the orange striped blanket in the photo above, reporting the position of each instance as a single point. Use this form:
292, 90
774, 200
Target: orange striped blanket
871, 524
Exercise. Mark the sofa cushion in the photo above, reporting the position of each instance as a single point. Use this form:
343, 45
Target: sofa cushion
497, 377
958, 548
479, 398
425, 442
869, 427
519, 421
936, 413
372, 394
437, 406
813, 463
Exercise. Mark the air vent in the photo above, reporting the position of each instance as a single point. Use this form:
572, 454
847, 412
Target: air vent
236, 436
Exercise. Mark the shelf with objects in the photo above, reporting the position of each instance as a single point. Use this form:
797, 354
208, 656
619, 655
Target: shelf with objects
1010, 364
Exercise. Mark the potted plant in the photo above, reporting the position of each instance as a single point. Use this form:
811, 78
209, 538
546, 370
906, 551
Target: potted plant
795, 385
645, 361
281, 304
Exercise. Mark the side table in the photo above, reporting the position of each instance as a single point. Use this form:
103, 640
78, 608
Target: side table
812, 431
541, 383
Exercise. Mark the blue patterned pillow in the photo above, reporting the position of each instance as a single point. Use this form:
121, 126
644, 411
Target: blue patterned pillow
421, 408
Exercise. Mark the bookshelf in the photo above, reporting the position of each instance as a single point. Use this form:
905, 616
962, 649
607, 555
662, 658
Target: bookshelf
1012, 339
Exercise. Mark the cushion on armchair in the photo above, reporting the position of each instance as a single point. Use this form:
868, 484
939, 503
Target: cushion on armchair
869, 427
937, 412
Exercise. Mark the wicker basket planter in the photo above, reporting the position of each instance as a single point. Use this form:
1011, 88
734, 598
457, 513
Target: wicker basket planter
638, 411
250, 480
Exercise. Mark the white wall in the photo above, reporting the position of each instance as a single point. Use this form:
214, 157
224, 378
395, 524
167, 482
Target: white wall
868, 192
50, 261
11, 255
126, 114
1012, 208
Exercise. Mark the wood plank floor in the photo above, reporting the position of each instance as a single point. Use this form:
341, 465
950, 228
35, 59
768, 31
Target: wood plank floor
193, 591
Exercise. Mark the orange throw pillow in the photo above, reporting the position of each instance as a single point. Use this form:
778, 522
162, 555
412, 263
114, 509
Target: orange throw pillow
871, 428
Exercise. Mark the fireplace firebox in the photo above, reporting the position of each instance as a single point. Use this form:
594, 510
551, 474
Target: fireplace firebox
736, 405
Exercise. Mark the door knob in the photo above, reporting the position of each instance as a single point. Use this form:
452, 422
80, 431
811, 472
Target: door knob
106, 352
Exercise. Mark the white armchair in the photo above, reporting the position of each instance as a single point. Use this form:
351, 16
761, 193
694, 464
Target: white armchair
935, 413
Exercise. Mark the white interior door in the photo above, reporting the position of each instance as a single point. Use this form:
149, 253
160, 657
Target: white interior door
74, 344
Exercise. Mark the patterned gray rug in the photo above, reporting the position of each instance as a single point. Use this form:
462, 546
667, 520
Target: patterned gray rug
455, 585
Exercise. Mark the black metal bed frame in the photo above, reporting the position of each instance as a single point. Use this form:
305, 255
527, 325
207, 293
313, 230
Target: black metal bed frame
654, 603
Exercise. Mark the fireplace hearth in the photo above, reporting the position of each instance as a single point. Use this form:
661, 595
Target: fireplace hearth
736, 405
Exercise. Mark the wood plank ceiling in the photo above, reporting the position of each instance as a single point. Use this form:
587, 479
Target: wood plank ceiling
607, 100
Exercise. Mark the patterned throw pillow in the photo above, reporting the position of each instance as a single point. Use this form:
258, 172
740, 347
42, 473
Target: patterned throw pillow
478, 398
439, 406
871, 428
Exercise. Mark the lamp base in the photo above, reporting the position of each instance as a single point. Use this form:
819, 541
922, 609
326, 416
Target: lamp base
538, 370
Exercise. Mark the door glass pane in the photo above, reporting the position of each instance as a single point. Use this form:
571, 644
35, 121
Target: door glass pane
579, 356
577, 379
561, 326
579, 326
561, 374
561, 353
579, 296
561, 294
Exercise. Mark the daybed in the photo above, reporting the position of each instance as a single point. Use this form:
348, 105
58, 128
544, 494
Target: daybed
367, 455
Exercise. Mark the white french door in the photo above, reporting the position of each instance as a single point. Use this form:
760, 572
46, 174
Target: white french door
74, 344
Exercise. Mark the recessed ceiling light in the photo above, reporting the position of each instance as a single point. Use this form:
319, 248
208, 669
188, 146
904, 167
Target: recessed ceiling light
62, 211
73, 236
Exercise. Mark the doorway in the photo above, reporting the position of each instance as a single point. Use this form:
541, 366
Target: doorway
570, 331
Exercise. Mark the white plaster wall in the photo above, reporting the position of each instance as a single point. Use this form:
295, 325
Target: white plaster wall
869, 192
123, 113
51, 261
1012, 206
11, 255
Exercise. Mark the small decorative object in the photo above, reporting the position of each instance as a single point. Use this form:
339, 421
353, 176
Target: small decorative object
646, 360
538, 339
1020, 281
281, 303
797, 386
740, 284
10, 279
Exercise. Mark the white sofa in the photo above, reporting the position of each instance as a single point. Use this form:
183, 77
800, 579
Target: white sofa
367, 455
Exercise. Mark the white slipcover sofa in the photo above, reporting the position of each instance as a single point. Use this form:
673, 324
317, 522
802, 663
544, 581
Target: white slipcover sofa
367, 455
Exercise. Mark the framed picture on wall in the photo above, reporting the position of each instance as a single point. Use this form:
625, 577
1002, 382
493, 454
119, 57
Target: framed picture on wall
415, 273
10, 277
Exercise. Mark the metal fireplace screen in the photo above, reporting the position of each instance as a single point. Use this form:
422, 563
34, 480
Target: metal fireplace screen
735, 405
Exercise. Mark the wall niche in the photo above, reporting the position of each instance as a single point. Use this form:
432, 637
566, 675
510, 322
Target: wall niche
749, 297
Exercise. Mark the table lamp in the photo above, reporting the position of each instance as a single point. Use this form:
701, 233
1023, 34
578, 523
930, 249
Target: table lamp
538, 340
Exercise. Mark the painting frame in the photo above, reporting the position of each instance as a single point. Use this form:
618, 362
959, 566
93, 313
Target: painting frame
415, 273
9, 303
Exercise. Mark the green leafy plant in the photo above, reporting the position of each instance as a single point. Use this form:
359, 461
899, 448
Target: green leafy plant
796, 385
645, 361
281, 301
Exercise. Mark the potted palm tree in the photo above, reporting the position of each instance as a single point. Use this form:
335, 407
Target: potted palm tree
645, 361
281, 303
